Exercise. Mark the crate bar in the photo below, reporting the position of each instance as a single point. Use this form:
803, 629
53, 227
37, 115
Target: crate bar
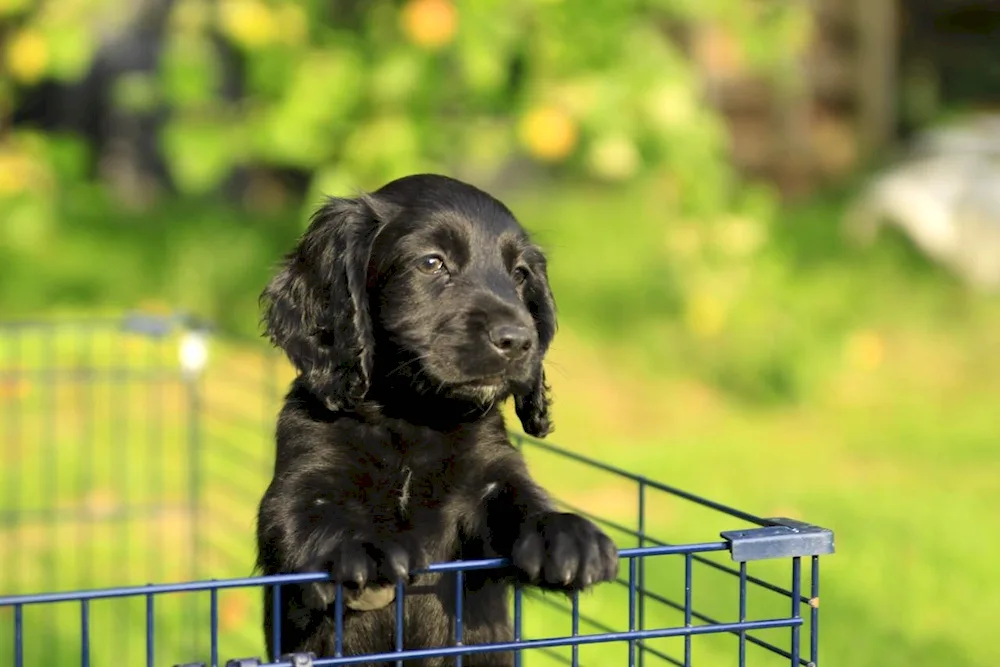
338, 614
814, 614
449, 651
743, 613
244, 582
13, 433
231, 489
518, 616
631, 610
642, 568
221, 415
400, 606
191, 373
276, 618
18, 636
150, 630
83, 515
143, 323
575, 630
796, 612
688, 601
155, 453
88, 375
84, 633
86, 471
459, 586
117, 458
603, 627
659, 486
700, 559
656, 597
51, 470
214, 620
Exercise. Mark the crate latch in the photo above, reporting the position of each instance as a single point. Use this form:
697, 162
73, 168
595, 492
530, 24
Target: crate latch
786, 538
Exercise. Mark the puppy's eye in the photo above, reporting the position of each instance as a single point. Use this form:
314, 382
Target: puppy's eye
431, 264
520, 274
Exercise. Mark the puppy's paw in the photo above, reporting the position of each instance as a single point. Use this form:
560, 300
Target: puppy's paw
368, 569
564, 551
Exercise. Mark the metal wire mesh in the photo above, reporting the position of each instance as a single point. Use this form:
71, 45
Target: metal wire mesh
111, 429
128, 460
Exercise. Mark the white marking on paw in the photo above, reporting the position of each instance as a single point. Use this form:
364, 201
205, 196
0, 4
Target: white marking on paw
370, 598
320, 501
490, 488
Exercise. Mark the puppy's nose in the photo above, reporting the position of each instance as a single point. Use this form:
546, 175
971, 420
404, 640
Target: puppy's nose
511, 340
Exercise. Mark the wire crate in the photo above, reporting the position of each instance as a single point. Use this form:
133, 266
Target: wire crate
698, 583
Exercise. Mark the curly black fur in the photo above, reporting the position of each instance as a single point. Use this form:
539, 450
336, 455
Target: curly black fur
411, 314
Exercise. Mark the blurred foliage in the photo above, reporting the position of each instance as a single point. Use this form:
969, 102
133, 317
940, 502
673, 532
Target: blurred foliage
359, 92
660, 257
355, 93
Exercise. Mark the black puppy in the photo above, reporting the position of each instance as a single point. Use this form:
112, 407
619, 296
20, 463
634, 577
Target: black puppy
411, 313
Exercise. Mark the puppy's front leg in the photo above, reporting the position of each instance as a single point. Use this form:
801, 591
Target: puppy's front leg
307, 523
550, 549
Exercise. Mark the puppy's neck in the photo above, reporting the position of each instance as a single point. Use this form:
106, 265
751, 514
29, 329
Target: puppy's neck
437, 412
427, 410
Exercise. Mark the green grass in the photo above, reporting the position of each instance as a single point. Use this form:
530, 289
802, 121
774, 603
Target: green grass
856, 390
127, 529
97, 464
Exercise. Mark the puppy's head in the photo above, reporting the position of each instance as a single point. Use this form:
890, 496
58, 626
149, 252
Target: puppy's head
427, 285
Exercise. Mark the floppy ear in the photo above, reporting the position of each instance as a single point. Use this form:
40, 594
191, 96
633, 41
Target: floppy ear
532, 408
316, 307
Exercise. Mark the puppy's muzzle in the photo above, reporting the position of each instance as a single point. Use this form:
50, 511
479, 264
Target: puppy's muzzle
511, 341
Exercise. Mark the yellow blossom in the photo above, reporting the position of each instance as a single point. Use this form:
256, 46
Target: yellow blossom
865, 350
429, 23
549, 133
248, 22
27, 55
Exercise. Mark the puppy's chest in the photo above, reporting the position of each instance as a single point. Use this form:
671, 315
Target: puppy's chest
412, 493
438, 502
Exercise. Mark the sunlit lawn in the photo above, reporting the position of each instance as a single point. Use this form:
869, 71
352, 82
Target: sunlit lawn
889, 438
905, 476
99, 468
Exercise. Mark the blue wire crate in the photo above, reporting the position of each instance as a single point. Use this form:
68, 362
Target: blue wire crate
707, 595
783, 542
